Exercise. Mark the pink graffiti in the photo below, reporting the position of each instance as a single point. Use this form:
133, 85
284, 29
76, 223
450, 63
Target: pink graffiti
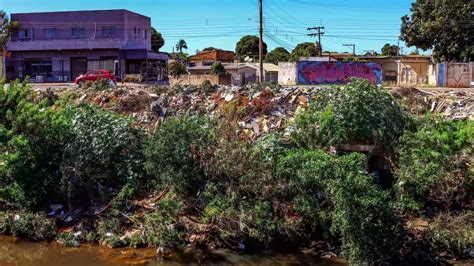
337, 72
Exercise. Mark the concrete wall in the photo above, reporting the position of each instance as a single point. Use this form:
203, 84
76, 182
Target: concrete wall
315, 73
413, 72
287, 74
199, 79
432, 74
458, 75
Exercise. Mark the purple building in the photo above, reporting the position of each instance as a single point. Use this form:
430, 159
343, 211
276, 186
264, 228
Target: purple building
59, 46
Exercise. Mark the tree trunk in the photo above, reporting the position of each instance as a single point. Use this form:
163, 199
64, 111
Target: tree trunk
4, 67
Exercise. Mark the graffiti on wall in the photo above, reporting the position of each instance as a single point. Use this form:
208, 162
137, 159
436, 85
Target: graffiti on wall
313, 73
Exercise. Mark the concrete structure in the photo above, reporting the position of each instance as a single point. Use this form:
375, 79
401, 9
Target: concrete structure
455, 75
241, 73
287, 73
59, 46
199, 79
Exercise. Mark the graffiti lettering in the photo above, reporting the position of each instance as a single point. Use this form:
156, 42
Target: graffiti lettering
311, 73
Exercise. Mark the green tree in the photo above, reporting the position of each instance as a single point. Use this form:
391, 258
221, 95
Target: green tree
181, 45
278, 54
390, 50
444, 26
305, 49
249, 46
6, 28
218, 68
210, 48
177, 69
157, 40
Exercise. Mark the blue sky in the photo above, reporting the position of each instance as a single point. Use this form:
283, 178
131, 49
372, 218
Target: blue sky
220, 23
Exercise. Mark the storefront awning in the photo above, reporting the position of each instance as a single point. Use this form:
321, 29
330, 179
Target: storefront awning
144, 54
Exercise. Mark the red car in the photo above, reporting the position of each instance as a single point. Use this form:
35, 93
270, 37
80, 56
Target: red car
95, 75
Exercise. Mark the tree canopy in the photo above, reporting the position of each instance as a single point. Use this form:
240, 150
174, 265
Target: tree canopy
218, 68
157, 40
181, 45
305, 49
444, 26
6, 27
390, 49
278, 54
249, 46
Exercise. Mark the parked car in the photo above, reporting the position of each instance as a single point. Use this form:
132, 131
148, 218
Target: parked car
95, 75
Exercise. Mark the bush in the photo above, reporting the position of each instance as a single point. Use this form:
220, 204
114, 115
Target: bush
337, 192
177, 69
32, 138
356, 113
171, 154
103, 155
162, 227
432, 161
27, 225
218, 68
451, 233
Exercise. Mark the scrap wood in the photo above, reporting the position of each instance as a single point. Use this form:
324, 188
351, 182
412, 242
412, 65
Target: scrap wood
146, 203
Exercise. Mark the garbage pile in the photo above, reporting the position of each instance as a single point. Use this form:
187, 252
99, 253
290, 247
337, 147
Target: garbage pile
256, 109
451, 104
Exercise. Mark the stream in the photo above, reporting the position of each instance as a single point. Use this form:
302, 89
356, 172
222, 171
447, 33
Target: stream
16, 252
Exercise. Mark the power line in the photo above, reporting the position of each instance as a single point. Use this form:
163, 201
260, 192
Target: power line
319, 34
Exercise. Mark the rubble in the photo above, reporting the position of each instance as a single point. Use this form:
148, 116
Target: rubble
450, 104
257, 109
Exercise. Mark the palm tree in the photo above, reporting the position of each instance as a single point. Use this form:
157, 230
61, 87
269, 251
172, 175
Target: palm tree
181, 45
6, 27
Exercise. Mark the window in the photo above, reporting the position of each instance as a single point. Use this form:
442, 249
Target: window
24, 33
144, 34
78, 32
109, 31
50, 33
40, 67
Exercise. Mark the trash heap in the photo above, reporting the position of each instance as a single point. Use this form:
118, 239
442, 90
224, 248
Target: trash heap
256, 109
450, 104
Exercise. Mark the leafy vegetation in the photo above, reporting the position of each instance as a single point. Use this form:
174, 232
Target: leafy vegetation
357, 113
218, 68
200, 181
278, 54
177, 69
248, 46
306, 49
427, 28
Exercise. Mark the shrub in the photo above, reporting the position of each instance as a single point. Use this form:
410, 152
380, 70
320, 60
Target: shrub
162, 227
29, 226
337, 192
218, 68
358, 112
431, 166
170, 154
32, 138
177, 69
451, 233
103, 155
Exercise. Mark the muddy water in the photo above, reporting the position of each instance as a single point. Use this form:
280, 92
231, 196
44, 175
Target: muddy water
16, 252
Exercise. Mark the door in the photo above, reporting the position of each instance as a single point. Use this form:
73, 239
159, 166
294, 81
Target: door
78, 67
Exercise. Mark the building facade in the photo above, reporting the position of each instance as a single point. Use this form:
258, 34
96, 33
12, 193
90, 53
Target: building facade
59, 46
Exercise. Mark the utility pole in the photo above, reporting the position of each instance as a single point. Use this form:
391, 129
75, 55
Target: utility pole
398, 47
319, 34
260, 45
353, 48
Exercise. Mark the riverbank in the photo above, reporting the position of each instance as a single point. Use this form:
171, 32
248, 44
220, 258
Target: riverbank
14, 251
354, 171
